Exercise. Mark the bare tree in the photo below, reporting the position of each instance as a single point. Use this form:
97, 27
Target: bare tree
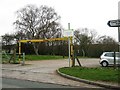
84, 37
7, 39
105, 40
38, 23
8, 42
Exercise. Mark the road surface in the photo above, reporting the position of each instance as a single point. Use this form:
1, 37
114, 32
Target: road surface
45, 71
17, 83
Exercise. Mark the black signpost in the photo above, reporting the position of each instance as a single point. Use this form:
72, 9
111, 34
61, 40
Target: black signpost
115, 23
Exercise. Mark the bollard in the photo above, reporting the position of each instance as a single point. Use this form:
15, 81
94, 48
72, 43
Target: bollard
23, 63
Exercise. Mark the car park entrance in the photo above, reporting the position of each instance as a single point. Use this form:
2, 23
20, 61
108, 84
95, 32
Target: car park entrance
52, 39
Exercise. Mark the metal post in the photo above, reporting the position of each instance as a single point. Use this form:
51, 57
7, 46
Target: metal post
69, 50
1, 62
23, 63
119, 27
69, 44
114, 59
19, 51
119, 39
72, 52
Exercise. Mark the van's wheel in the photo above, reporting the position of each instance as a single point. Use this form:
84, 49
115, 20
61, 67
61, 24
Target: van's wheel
104, 64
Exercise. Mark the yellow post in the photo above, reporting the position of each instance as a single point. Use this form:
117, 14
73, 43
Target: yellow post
72, 52
19, 51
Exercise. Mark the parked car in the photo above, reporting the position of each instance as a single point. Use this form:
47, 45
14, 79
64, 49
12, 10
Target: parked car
107, 58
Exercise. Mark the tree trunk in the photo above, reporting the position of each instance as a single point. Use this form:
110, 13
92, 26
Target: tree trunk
36, 49
83, 52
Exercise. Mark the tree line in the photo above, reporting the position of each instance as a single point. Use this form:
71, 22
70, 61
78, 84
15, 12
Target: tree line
42, 22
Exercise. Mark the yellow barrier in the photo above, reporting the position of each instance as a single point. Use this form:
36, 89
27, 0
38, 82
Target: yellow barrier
47, 40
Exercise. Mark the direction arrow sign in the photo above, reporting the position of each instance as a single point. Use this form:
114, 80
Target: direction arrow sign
114, 23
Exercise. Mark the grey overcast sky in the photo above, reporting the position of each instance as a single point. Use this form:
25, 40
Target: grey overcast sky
91, 14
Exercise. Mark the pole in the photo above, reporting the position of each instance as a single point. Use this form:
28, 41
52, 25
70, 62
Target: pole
72, 51
19, 51
23, 59
118, 39
114, 60
119, 27
69, 44
69, 50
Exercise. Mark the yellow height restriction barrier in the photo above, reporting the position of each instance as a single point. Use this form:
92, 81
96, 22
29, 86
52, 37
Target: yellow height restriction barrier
48, 40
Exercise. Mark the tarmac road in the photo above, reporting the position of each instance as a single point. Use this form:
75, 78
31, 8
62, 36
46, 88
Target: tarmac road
45, 71
17, 83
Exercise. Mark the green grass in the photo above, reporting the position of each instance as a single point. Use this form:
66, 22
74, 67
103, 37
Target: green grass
42, 57
5, 59
33, 57
96, 74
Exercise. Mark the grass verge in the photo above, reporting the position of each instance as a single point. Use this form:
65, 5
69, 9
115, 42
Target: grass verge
5, 60
42, 57
108, 74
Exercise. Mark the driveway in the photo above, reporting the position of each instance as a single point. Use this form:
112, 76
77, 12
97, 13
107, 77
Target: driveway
45, 71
